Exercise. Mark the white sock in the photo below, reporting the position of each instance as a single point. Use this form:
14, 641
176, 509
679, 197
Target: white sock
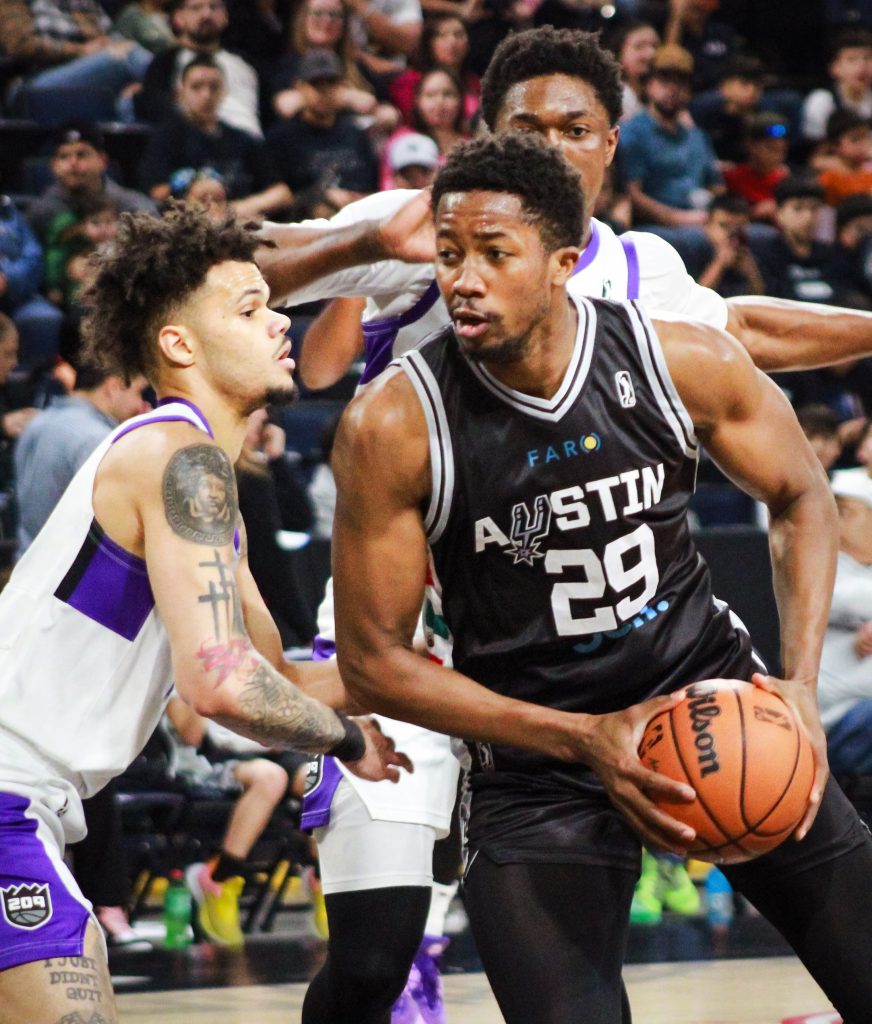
440, 900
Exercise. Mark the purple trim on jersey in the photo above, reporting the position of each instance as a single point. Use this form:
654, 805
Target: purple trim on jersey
318, 799
379, 335
173, 418
237, 541
323, 649
183, 401
108, 584
44, 920
590, 250
632, 267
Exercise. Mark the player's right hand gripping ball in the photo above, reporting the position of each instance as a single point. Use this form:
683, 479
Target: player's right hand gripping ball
743, 751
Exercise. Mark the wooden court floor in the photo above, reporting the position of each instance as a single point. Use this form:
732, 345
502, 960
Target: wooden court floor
758, 991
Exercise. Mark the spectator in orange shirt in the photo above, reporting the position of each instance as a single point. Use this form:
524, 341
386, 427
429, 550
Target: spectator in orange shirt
766, 141
847, 164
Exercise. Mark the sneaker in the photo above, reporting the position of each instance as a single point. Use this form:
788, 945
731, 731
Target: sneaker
405, 1009
119, 932
679, 894
647, 907
427, 988
217, 904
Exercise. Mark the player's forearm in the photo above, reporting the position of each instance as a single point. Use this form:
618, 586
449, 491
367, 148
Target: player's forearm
237, 687
302, 255
399, 683
803, 541
781, 334
321, 681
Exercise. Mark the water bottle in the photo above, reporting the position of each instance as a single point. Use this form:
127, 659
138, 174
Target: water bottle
177, 912
719, 900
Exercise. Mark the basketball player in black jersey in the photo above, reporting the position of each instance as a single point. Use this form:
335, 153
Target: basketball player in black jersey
538, 456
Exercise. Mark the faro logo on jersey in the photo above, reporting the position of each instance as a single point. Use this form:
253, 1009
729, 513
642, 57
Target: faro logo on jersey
529, 529
26, 906
626, 391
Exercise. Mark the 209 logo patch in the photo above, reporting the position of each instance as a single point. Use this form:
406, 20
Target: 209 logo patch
26, 906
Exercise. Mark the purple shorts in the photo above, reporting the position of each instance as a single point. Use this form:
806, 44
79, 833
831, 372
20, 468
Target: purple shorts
42, 912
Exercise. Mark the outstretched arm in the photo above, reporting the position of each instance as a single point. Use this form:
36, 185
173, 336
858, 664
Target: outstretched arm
750, 430
318, 252
381, 462
781, 334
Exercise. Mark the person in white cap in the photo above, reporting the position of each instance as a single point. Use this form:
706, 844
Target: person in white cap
845, 680
414, 159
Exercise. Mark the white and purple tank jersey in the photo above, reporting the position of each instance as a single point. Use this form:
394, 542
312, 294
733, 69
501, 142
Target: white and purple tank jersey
85, 666
404, 305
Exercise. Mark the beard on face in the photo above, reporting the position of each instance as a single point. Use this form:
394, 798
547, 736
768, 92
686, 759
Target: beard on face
509, 350
274, 396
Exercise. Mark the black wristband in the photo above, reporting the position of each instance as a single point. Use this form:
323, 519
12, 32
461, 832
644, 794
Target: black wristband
352, 746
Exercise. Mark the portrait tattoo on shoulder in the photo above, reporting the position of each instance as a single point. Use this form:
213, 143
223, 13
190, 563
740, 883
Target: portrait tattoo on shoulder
199, 495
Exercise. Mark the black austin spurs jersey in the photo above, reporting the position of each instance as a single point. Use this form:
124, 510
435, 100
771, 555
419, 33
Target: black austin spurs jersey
562, 570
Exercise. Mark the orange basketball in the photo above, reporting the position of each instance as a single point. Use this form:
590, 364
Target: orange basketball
750, 763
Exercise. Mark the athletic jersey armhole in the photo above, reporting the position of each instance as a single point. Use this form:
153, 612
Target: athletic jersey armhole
662, 386
422, 380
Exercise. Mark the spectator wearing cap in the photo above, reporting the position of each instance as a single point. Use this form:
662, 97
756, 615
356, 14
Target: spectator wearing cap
851, 266
722, 112
199, 26
196, 137
79, 162
718, 255
755, 180
850, 69
323, 156
793, 263
203, 186
846, 163
414, 161
67, 44
845, 676
669, 165
326, 24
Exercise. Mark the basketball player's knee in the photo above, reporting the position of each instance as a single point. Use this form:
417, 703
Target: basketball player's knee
266, 778
372, 978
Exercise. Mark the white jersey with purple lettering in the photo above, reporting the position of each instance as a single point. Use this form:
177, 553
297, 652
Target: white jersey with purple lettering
403, 307
85, 667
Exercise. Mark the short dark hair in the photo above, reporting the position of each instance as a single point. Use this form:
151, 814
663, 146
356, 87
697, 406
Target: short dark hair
840, 122
521, 165
850, 39
730, 203
154, 265
202, 60
90, 376
817, 420
551, 51
797, 186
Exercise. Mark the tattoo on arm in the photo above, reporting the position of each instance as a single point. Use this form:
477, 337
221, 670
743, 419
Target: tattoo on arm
280, 714
199, 494
222, 596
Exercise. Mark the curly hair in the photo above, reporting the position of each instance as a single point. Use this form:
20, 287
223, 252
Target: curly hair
154, 265
551, 51
524, 166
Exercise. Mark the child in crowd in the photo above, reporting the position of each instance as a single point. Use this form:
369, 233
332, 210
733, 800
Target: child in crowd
851, 72
766, 143
846, 163
73, 237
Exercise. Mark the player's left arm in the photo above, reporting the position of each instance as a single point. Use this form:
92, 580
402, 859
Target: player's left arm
318, 679
780, 334
750, 430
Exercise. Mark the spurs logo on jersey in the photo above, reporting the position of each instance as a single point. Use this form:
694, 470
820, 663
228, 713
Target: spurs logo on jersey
528, 529
26, 906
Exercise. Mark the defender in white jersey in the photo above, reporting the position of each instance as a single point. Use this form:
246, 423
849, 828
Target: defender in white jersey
139, 582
